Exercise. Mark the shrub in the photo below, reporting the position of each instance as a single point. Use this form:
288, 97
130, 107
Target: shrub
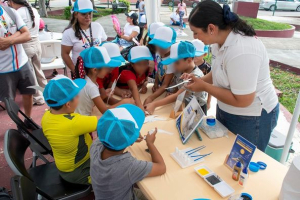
67, 12
126, 2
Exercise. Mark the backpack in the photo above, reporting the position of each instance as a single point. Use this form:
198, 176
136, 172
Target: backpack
4, 195
137, 4
10, 13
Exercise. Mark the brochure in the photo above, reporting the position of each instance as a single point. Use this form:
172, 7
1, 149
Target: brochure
242, 150
189, 120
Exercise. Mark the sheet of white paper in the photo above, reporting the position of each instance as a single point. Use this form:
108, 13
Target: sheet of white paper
153, 118
37, 87
179, 101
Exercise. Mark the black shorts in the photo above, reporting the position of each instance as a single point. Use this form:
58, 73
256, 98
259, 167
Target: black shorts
10, 82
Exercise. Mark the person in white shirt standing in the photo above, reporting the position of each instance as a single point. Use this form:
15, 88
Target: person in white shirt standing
141, 9
15, 71
33, 47
81, 33
240, 76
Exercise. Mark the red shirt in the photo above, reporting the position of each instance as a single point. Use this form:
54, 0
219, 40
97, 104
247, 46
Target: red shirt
111, 77
128, 74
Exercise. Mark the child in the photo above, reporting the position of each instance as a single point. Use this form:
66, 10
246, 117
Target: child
133, 76
163, 39
106, 82
66, 131
201, 52
114, 171
96, 63
182, 55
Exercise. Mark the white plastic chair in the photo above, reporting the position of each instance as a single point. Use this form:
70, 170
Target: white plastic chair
52, 49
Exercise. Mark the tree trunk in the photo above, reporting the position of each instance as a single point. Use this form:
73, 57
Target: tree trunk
42, 8
93, 2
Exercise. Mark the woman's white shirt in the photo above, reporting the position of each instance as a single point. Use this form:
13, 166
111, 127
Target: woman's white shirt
69, 39
128, 29
242, 66
24, 12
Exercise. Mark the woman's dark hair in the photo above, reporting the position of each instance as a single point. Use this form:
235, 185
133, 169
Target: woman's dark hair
181, 2
210, 12
75, 25
26, 4
135, 22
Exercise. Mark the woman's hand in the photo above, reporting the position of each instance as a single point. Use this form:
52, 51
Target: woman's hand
195, 84
150, 107
148, 100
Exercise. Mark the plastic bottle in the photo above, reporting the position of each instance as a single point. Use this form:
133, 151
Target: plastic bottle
237, 171
243, 177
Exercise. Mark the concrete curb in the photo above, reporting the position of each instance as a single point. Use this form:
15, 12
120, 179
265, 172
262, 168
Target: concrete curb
288, 33
284, 67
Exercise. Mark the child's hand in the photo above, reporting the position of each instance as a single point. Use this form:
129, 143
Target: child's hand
140, 138
128, 101
208, 105
150, 138
155, 87
126, 94
108, 91
144, 89
148, 100
150, 108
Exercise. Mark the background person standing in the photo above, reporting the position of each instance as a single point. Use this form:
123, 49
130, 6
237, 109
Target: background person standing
33, 47
141, 9
15, 72
181, 11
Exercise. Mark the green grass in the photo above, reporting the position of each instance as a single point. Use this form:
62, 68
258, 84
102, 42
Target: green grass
260, 24
289, 84
100, 13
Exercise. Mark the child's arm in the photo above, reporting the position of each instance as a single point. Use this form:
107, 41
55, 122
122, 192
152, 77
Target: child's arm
104, 97
122, 93
167, 80
169, 99
135, 93
208, 101
155, 86
100, 104
159, 166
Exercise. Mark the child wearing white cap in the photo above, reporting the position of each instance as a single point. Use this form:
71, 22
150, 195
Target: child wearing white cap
134, 75
97, 64
106, 83
182, 55
164, 37
201, 52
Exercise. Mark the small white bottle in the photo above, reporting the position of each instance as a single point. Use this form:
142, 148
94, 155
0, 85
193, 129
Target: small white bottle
243, 177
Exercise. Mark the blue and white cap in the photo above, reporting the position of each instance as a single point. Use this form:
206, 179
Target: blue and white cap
97, 57
62, 89
153, 27
201, 48
113, 51
139, 53
120, 127
164, 37
83, 6
183, 49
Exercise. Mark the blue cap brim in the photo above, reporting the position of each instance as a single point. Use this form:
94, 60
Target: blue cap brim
140, 59
200, 53
160, 43
119, 58
169, 61
137, 114
86, 11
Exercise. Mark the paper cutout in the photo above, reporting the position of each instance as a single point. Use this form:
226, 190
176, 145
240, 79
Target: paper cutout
179, 101
113, 86
181, 83
135, 41
153, 118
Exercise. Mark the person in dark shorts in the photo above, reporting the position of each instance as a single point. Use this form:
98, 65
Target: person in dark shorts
15, 71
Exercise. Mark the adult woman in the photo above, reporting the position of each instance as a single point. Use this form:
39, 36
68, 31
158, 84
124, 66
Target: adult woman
32, 48
181, 10
240, 76
81, 33
131, 30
